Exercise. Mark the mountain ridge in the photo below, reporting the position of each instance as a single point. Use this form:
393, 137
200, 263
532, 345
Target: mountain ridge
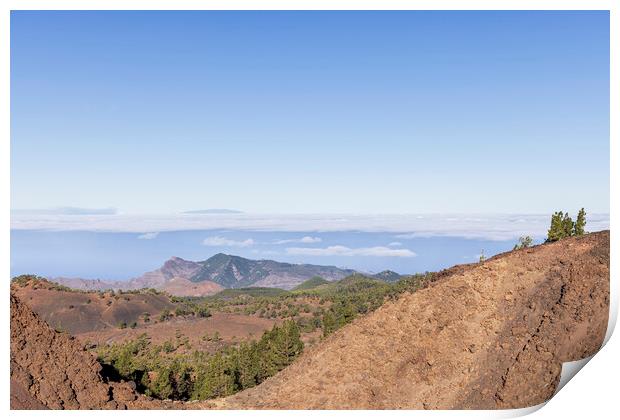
183, 277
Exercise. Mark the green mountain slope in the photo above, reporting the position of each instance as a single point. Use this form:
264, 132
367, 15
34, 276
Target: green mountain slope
232, 271
312, 283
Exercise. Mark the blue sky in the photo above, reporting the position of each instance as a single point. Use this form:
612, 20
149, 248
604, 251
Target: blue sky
311, 112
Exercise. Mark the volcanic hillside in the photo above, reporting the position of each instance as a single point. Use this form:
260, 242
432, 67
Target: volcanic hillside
78, 312
486, 336
52, 370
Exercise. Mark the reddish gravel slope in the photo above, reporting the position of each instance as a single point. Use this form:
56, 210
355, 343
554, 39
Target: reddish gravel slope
52, 370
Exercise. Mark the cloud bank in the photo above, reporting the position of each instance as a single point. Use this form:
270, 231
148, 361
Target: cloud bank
343, 251
492, 227
149, 235
213, 211
69, 211
304, 240
221, 241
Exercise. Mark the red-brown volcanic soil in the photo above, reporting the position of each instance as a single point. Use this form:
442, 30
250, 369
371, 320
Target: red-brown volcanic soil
78, 312
52, 370
182, 287
231, 328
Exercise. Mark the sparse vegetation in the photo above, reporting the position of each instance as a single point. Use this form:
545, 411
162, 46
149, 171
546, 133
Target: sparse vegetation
173, 369
203, 312
165, 315
37, 282
357, 295
312, 283
212, 366
250, 292
524, 242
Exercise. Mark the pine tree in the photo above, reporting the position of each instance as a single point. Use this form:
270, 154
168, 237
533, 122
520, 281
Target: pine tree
567, 226
162, 386
280, 347
247, 367
214, 379
580, 224
556, 230
329, 323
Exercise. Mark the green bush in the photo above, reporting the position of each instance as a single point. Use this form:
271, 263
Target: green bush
524, 242
203, 312
165, 315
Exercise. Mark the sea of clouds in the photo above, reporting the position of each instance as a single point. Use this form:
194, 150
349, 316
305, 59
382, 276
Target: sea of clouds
405, 226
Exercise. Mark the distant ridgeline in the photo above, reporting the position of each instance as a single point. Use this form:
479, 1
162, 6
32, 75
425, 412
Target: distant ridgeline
201, 278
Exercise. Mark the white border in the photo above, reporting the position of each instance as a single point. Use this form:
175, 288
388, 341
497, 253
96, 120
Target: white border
593, 394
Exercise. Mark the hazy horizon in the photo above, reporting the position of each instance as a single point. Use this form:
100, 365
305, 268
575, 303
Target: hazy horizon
118, 247
123, 255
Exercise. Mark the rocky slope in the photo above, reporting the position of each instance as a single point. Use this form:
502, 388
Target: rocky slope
486, 336
52, 370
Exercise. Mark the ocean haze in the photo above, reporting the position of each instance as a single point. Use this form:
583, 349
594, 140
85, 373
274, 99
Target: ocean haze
123, 255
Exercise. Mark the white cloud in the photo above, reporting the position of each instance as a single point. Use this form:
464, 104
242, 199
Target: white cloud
310, 240
395, 244
343, 251
221, 241
304, 240
148, 235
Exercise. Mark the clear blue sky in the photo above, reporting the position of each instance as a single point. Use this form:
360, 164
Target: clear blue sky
311, 111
